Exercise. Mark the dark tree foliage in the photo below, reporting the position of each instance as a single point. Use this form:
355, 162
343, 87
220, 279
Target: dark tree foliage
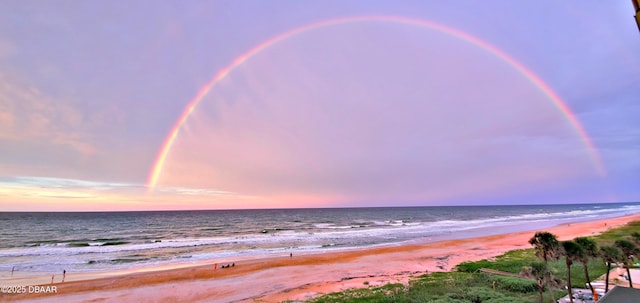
589, 250
628, 250
571, 251
543, 275
546, 245
610, 255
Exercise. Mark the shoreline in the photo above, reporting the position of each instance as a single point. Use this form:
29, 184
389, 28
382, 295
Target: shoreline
280, 278
21, 277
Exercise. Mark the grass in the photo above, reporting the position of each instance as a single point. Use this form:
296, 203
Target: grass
470, 286
382, 294
439, 287
512, 262
610, 236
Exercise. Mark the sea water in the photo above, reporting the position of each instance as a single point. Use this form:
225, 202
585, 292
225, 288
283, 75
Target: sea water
50, 242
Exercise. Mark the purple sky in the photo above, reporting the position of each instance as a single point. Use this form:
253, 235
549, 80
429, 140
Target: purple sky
366, 113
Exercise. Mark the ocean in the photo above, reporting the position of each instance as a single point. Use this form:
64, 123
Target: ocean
50, 242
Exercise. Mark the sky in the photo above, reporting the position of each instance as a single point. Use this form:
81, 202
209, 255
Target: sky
166, 105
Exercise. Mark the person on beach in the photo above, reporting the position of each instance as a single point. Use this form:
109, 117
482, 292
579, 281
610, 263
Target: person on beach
52, 276
290, 255
215, 266
12, 270
64, 274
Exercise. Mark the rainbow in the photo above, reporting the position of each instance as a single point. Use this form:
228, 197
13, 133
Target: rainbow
161, 158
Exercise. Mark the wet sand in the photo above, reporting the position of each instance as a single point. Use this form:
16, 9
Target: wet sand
299, 277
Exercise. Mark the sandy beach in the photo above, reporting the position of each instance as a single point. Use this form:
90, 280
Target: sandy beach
298, 277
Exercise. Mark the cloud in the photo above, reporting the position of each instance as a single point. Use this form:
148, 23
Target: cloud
193, 191
29, 193
27, 114
73, 186
49, 182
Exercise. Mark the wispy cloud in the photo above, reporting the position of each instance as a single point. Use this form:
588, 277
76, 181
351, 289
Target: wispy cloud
76, 184
194, 191
28, 114
47, 182
33, 193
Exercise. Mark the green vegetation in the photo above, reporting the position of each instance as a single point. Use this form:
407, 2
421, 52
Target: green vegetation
543, 279
589, 250
609, 237
546, 246
441, 287
386, 293
511, 261
609, 255
628, 250
571, 252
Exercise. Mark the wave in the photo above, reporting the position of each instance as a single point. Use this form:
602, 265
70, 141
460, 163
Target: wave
320, 233
78, 244
206, 241
115, 243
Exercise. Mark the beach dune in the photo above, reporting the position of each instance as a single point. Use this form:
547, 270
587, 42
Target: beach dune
300, 277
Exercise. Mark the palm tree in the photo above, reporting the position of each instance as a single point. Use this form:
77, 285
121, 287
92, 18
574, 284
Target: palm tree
541, 273
571, 251
610, 255
589, 250
546, 245
628, 249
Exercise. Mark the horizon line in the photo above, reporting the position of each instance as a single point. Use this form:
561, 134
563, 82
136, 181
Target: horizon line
310, 208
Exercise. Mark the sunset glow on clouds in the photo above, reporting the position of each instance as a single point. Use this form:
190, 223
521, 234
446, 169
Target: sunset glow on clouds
373, 112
